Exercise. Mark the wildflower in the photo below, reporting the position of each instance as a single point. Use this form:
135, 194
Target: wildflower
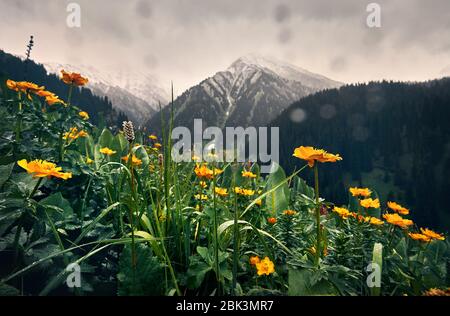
153, 137
265, 266
73, 78
342, 212
373, 220
84, 115
437, 292
45, 93
203, 184
201, 197
217, 171
203, 172
157, 145
419, 237
397, 220
272, 220
74, 134
398, 208
258, 202
41, 168
432, 234
134, 160
364, 192
89, 160
311, 155
107, 151
51, 100
374, 203
221, 191
254, 260
128, 130
242, 191
289, 212
248, 174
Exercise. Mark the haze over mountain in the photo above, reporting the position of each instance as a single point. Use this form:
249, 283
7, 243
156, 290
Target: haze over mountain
137, 94
253, 90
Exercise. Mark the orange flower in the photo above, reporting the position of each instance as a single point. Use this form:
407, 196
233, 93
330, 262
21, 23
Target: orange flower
432, 234
74, 134
254, 260
271, 220
289, 212
202, 171
419, 237
367, 203
84, 115
157, 145
245, 192
221, 191
311, 155
107, 151
398, 208
73, 78
134, 160
397, 220
265, 266
41, 169
364, 192
51, 100
342, 212
45, 93
373, 220
248, 174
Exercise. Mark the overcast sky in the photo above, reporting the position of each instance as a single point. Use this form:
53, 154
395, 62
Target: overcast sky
189, 40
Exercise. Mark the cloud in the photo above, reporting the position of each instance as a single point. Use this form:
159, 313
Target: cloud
188, 40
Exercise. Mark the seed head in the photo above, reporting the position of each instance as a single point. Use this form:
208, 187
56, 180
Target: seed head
128, 130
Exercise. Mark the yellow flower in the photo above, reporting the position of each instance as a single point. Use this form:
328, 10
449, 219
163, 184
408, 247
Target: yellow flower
89, 160
265, 266
364, 192
217, 171
398, 208
74, 134
242, 191
201, 197
397, 220
248, 174
419, 237
221, 191
374, 203
272, 220
203, 184
289, 212
153, 137
157, 145
134, 160
311, 155
373, 220
432, 234
258, 202
107, 151
254, 260
73, 78
41, 169
342, 212
84, 115
203, 172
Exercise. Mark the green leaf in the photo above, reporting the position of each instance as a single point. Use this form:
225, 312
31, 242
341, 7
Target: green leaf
58, 201
147, 278
278, 200
5, 172
196, 272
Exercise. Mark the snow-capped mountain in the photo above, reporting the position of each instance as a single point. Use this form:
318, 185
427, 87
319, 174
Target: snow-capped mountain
135, 93
252, 91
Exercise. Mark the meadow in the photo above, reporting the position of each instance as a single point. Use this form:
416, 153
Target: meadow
116, 205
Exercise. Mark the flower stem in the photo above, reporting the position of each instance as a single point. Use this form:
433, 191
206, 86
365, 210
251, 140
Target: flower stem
318, 234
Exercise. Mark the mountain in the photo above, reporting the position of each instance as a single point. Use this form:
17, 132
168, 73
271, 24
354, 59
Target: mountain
253, 90
99, 108
393, 137
135, 93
